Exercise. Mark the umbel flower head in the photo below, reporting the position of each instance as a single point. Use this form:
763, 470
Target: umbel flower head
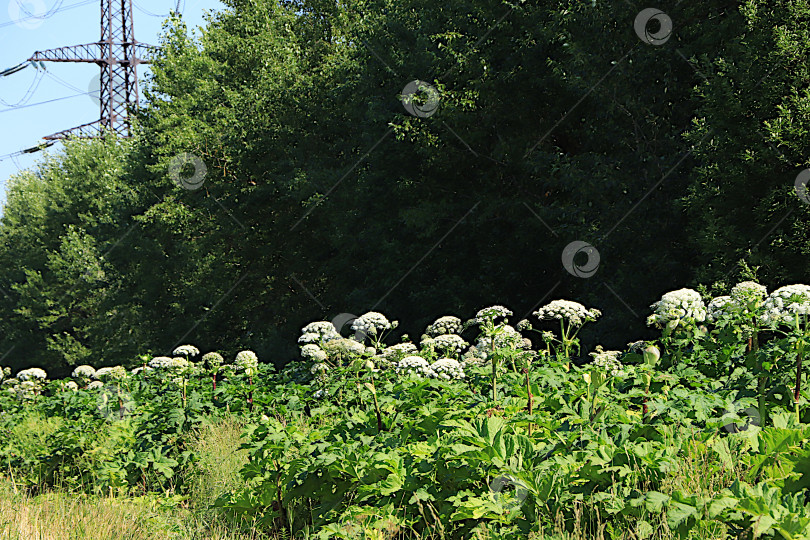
372, 323
83, 372
186, 350
212, 360
160, 362
786, 303
110, 373
312, 352
450, 343
573, 312
749, 294
325, 329
309, 337
447, 369
343, 348
32, 374
509, 338
490, 314
247, 361
444, 325
607, 361
414, 365
678, 308
720, 308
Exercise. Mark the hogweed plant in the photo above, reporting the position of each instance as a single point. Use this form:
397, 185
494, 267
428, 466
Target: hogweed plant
787, 311
679, 313
572, 317
485, 319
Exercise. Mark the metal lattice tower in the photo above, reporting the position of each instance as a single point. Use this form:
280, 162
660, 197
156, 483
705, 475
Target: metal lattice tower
117, 54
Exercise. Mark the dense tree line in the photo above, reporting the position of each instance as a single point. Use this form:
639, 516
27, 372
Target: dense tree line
324, 195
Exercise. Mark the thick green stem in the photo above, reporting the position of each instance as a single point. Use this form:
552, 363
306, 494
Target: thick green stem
798, 380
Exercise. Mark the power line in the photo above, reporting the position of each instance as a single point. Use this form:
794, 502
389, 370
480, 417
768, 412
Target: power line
51, 13
147, 12
43, 102
28, 93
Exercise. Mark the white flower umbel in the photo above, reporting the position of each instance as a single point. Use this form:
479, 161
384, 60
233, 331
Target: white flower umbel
678, 308
414, 365
491, 313
313, 353
786, 304
450, 343
83, 372
95, 385
160, 362
509, 338
574, 312
186, 350
749, 293
447, 369
110, 373
325, 329
371, 323
212, 360
342, 349
722, 307
247, 361
444, 325
607, 361
71, 385
32, 374
309, 337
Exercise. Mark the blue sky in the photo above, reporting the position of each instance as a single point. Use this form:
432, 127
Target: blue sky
58, 23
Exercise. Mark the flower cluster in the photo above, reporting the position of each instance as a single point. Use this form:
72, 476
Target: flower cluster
247, 361
786, 303
450, 343
509, 338
678, 308
83, 372
110, 373
447, 369
720, 308
309, 337
325, 329
160, 362
372, 323
186, 350
312, 352
213, 360
749, 293
491, 313
32, 374
343, 348
573, 312
414, 365
475, 355
524, 325
607, 361
444, 325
